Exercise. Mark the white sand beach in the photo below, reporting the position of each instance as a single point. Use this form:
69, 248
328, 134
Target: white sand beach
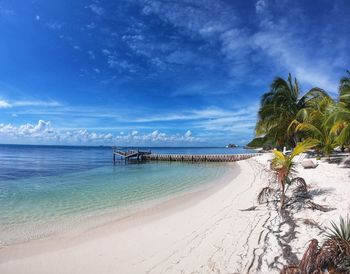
208, 235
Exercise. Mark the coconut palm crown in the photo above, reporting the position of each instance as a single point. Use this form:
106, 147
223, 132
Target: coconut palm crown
310, 123
279, 107
339, 118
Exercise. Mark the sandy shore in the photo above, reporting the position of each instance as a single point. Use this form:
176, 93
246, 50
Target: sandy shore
208, 235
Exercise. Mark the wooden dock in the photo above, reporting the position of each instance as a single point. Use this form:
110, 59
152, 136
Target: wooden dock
130, 154
149, 156
199, 157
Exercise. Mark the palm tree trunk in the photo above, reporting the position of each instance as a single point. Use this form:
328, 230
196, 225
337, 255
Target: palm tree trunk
283, 196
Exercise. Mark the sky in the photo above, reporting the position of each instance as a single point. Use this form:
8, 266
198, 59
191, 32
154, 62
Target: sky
158, 73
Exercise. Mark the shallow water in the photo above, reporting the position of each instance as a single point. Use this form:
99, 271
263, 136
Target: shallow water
45, 190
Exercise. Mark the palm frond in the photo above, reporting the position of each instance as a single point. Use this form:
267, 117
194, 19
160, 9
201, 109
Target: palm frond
304, 146
300, 183
264, 194
307, 263
344, 136
309, 128
340, 231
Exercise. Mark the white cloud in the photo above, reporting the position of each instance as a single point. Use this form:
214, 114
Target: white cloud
6, 12
288, 49
260, 6
188, 134
278, 43
91, 26
5, 104
91, 55
55, 25
200, 114
37, 18
96, 9
29, 103
44, 133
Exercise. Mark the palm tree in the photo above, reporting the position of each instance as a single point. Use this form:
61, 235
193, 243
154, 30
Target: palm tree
311, 121
284, 166
344, 90
339, 118
279, 107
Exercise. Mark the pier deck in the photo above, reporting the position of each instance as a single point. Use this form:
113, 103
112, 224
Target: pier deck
149, 156
130, 154
200, 157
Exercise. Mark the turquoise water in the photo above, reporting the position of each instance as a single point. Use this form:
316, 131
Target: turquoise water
48, 190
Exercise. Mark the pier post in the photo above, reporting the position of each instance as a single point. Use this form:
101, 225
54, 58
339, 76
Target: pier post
113, 159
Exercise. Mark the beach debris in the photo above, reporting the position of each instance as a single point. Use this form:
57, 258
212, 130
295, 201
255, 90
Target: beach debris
252, 208
312, 223
332, 257
314, 206
309, 163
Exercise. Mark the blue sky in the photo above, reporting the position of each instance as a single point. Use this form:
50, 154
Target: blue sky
149, 72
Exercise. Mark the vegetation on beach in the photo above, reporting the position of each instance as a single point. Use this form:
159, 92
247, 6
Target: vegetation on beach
315, 120
286, 118
333, 256
283, 166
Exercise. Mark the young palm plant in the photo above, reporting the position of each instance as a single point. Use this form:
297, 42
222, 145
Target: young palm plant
335, 251
284, 167
332, 257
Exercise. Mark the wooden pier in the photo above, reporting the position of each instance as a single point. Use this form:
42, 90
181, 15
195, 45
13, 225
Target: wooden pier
149, 156
130, 154
199, 157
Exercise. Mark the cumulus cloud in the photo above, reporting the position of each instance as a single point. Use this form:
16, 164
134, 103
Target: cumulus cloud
4, 104
188, 134
44, 133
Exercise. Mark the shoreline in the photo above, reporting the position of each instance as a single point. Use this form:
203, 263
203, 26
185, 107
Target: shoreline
85, 220
207, 234
148, 211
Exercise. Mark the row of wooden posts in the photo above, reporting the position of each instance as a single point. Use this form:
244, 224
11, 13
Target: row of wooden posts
148, 155
199, 158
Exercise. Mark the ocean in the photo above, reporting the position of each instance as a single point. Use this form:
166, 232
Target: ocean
48, 189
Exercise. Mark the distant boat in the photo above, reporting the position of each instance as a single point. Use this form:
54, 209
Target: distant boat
231, 146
